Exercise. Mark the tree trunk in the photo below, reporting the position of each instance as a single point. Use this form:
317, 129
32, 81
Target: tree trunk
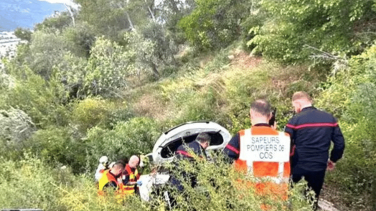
155, 70
71, 14
130, 21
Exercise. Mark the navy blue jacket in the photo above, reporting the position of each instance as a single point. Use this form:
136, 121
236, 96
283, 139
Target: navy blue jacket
184, 151
311, 132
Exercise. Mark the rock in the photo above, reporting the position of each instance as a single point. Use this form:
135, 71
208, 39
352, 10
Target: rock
326, 205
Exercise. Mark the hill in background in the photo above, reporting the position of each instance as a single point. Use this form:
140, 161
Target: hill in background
25, 13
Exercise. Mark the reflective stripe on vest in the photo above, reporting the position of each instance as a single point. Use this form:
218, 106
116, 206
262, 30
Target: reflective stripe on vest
106, 178
259, 154
129, 189
184, 153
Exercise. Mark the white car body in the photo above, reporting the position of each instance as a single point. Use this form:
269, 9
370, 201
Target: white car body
168, 142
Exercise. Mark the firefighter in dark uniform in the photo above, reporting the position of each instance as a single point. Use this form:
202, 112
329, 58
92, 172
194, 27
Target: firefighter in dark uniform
191, 152
188, 152
311, 132
198, 147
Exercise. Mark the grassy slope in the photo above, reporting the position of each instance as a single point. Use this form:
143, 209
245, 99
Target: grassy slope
221, 88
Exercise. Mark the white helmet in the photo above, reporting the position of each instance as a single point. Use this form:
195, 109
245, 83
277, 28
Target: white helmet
103, 159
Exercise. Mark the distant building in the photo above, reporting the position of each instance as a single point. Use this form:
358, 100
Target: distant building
8, 46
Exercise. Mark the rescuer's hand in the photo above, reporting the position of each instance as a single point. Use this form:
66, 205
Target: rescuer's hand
331, 165
139, 183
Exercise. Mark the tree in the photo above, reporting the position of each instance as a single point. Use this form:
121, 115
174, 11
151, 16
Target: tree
215, 23
82, 36
57, 22
108, 18
23, 34
143, 51
46, 49
334, 26
107, 68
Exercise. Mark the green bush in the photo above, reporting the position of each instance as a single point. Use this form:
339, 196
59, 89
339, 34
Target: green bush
60, 146
293, 26
91, 112
15, 129
350, 97
214, 24
42, 100
136, 136
220, 187
30, 183
107, 68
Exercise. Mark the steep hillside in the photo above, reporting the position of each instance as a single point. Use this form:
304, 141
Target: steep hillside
222, 91
111, 78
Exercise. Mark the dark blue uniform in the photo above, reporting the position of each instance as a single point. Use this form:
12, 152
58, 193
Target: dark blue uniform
311, 133
184, 152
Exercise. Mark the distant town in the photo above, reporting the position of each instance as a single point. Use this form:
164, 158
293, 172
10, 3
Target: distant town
8, 46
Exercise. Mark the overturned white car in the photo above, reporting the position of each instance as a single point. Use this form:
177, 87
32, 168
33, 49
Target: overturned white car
168, 143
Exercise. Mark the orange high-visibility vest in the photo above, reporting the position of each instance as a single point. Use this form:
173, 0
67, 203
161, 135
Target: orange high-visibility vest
104, 180
133, 177
265, 142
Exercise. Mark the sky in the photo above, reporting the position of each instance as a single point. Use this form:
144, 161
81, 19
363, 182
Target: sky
67, 2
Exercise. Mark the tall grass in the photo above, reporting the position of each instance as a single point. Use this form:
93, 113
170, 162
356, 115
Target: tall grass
31, 183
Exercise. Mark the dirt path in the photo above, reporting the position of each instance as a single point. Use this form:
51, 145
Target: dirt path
326, 205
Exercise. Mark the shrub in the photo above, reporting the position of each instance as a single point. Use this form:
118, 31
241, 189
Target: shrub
91, 112
135, 136
214, 23
31, 183
15, 125
42, 100
293, 25
107, 68
60, 146
351, 97
219, 187
15, 129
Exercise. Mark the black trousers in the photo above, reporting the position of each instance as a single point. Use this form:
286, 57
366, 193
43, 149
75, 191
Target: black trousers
315, 180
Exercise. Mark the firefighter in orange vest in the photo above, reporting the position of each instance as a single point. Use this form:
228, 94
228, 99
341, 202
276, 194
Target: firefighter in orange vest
110, 178
262, 152
130, 176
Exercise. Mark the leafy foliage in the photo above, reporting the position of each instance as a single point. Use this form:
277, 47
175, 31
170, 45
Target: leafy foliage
33, 183
23, 34
75, 80
350, 97
30, 182
60, 146
333, 26
15, 129
42, 100
214, 23
135, 136
107, 68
